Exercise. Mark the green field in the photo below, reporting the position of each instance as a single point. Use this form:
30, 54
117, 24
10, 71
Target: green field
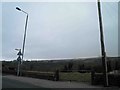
68, 76
48, 68
75, 76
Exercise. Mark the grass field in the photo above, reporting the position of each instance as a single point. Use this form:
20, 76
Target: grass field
68, 76
75, 76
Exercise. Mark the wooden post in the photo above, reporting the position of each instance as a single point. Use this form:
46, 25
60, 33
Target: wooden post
104, 62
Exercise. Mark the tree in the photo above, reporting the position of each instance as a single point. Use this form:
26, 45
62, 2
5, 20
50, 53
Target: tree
70, 65
116, 65
79, 67
65, 69
83, 67
31, 67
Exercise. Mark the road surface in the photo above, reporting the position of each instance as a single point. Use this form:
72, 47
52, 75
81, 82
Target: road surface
10, 81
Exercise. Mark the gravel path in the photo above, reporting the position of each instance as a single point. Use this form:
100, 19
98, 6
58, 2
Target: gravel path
50, 84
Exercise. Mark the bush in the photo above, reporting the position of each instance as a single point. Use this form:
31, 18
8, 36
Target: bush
113, 79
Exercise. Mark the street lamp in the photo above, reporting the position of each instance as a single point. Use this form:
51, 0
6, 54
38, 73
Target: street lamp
24, 31
19, 61
104, 60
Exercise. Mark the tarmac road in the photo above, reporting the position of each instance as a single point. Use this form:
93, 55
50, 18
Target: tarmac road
10, 82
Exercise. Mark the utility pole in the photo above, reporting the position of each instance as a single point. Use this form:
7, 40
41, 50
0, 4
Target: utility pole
104, 59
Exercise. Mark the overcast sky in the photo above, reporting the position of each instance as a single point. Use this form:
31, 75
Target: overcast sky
59, 29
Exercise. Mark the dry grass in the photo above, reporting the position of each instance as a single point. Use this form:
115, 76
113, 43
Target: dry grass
76, 76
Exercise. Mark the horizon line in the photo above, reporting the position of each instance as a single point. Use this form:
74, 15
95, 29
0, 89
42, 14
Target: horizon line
43, 59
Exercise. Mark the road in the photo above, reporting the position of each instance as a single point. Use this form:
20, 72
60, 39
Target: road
9, 81
11, 84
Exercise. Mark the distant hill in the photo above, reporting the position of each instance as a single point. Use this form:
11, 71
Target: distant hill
52, 65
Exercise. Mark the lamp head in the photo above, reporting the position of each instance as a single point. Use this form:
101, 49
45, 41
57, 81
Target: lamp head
18, 8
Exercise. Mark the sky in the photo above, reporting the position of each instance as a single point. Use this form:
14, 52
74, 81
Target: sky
58, 29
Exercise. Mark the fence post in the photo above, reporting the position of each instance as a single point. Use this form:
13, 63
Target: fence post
57, 75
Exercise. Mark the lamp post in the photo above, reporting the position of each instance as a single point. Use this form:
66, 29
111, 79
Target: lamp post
23, 47
104, 60
19, 61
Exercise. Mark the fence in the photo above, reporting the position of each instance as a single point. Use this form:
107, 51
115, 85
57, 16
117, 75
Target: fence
98, 79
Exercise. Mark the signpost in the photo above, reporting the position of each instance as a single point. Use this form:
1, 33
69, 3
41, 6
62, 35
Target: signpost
19, 61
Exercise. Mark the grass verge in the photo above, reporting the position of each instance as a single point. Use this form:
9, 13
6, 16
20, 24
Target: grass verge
75, 76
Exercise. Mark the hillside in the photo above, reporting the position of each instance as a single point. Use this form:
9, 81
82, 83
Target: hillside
52, 65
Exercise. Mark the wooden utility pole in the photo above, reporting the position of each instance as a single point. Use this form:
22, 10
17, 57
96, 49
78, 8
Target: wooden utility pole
104, 61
